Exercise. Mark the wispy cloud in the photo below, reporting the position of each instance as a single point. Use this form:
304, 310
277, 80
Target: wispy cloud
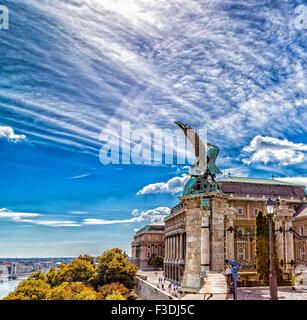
39, 219
232, 67
81, 176
157, 214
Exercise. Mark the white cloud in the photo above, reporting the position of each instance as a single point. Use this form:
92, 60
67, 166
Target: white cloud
8, 133
152, 215
173, 186
269, 149
24, 217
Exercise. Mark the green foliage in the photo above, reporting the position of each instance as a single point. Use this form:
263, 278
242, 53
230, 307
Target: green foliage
115, 296
38, 275
30, 290
155, 261
113, 274
87, 258
113, 266
76, 271
113, 288
72, 291
263, 248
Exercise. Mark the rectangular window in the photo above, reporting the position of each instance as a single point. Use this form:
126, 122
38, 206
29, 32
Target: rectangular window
301, 231
148, 254
240, 212
256, 211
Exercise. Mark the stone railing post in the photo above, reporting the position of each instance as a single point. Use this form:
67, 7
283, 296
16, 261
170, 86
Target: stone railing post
230, 248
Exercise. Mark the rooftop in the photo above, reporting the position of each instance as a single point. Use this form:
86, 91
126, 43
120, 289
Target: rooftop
301, 211
264, 187
272, 182
154, 226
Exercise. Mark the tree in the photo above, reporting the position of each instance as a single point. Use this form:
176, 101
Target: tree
87, 258
155, 261
263, 248
77, 271
38, 275
30, 290
113, 266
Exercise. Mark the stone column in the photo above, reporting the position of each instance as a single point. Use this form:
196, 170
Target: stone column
177, 251
289, 245
180, 246
218, 205
205, 242
230, 241
279, 240
173, 247
191, 279
166, 248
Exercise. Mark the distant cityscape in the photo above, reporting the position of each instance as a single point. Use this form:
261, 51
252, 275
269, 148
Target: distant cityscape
13, 268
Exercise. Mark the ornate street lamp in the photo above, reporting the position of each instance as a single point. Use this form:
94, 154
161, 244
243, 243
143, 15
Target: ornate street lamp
269, 207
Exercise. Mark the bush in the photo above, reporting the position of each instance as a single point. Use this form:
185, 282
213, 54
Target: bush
115, 296
30, 290
112, 288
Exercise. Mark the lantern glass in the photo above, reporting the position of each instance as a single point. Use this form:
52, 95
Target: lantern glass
269, 206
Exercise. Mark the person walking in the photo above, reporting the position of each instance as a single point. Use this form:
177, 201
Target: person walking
229, 277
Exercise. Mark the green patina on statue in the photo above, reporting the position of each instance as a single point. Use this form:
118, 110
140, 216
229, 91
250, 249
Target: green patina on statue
205, 158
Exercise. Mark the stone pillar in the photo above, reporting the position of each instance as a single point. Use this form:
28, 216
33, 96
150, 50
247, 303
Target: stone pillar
173, 247
166, 248
230, 241
191, 279
218, 207
279, 241
205, 242
180, 246
289, 245
176, 246
177, 251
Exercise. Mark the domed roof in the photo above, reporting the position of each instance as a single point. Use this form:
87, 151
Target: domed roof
187, 189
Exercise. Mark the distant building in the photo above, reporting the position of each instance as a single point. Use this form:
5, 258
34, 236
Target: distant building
147, 241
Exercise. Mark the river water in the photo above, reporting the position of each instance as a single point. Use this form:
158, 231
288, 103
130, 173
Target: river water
7, 286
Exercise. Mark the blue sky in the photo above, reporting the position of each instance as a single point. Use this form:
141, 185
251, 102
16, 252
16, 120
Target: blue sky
73, 69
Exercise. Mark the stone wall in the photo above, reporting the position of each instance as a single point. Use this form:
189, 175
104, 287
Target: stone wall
147, 291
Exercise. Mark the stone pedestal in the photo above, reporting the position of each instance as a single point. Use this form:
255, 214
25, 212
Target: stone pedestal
191, 279
217, 243
204, 237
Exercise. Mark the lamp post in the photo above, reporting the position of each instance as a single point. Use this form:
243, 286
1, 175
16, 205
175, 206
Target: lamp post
269, 207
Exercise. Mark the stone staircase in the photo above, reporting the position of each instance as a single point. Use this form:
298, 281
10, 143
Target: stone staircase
215, 288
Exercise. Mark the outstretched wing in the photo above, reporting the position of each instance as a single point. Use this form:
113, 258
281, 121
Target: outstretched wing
198, 145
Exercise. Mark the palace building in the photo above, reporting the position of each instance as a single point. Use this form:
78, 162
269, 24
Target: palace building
147, 241
215, 220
